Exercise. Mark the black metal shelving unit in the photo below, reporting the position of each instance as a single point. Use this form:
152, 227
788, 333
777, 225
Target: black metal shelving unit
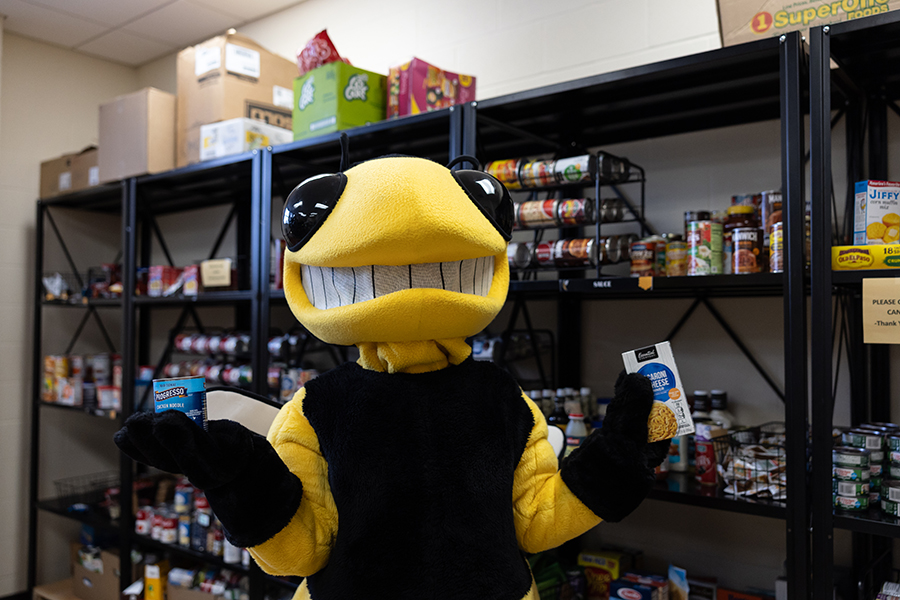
864, 87
764, 80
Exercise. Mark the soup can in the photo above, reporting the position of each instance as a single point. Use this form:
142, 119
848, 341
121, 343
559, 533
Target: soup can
543, 254
676, 258
747, 253
613, 249
771, 213
776, 249
519, 255
575, 211
624, 242
612, 169
576, 169
506, 171
659, 256
704, 246
538, 213
579, 252
643, 258
537, 173
183, 394
612, 210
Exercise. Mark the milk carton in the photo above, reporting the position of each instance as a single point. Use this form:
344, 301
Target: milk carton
877, 213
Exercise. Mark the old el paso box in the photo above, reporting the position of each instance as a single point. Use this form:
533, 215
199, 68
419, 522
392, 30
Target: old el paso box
748, 20
416, 87
337, 96
876, 217
184, 394
854, 258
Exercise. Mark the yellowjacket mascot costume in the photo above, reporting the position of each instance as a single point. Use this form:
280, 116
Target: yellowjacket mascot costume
415, 472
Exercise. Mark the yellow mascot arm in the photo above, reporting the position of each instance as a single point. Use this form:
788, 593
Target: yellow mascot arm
546, 512
303, 546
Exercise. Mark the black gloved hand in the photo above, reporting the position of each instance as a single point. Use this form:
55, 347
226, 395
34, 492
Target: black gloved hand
249, 487
612, 471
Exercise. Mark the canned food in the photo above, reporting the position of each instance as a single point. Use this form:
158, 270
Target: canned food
200, 344
676, 258
612, 210
536, 173
575, 169
659, 256
506, 171
575, 211
214, 345
184, 531
850, 457
575, 253
537, 213
894, 472
704, 248
543, 254
624, 243
864, 438
874, 498
891, 508
875, 470
747, 253
184, 497
169, 528
612, 169
893, 442
643, 260
891, 426
143, 520
876, 456
771, 213
76, 365
891, 490
895, 457
519, 255
156, 520
613, 249
855, 504
184, 394
776, 249
875, 483
245, 375
850, 488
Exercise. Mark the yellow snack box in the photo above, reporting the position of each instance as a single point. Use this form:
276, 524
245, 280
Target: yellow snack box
855, 258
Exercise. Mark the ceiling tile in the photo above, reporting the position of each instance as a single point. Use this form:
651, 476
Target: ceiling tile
122, 47
248, 11
107, 12
182, 23
47, 25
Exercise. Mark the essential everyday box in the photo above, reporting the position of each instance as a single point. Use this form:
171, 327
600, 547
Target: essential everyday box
226, 77
137, 134
416, 87
749, 20
670, 415
876, 213
239, 135
337, 96
69, 173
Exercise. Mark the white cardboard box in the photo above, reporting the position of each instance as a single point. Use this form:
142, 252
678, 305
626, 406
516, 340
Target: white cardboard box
239, 135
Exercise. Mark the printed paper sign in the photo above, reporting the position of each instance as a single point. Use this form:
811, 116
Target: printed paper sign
881, 311
242, 61
206, 60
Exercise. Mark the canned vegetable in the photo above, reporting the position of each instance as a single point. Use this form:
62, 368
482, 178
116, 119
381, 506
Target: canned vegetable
850, 457
851, 473
855, 504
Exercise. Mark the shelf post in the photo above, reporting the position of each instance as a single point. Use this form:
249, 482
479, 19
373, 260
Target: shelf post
129, 359
821, 306
794, 206
36, 386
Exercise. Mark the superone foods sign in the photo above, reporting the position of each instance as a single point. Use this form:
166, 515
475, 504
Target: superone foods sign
747, 20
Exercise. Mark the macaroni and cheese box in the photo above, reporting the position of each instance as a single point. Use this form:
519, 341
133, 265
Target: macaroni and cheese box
600, 570
877, 213
670, 415
337, 96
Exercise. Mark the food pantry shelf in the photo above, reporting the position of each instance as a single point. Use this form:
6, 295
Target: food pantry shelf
850, 278
755, 284
873, 522
683, 489
101, 198
92, 412
61, 507
203, 298
92, 302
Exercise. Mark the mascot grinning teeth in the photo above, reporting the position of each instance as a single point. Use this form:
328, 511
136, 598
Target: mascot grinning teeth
415, 472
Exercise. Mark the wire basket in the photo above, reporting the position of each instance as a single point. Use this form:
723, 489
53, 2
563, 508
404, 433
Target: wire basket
86, 488
752, 461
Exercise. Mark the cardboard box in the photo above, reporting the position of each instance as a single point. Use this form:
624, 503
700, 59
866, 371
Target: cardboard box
855, 258
183, 593
137, 134
876, 218
94, 585
60, 590
239, 135
69, 173
417, 87
226, 77
337, 96
749, 20
732, 595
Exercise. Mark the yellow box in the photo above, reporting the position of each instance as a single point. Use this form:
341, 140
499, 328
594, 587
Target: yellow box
856, 258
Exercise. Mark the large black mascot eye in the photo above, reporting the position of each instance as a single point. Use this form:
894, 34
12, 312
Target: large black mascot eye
307, 207
490, 196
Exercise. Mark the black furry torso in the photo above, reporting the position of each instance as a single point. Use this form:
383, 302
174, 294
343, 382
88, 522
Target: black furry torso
421, 470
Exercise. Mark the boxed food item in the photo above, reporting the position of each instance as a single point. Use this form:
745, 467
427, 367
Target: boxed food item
69, 173
239, 135
96, 574
656, 582
853, 258
337, 96
417, 87
226, 77
155, 579
600, 570
670, 415
724, 594
749, 20
877, 213
137, 134
163, 280
632, 590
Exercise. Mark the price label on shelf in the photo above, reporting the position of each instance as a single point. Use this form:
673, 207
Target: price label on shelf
881, 310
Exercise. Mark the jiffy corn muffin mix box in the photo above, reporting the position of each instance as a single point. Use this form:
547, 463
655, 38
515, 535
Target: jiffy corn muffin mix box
877, 215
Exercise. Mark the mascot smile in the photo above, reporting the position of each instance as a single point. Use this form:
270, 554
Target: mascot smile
415, 472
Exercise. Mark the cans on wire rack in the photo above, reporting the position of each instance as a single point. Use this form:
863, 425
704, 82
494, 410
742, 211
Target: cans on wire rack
506, 171
537, 213
575, 211
704, 247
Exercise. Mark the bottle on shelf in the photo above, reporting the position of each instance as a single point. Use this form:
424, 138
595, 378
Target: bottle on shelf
575, 432
559, 417
572, 403
700, 413
547, 401
587, 406
718, 400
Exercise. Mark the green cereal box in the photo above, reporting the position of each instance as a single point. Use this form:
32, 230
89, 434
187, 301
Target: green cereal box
337, 96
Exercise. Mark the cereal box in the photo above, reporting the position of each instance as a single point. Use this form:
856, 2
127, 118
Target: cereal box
670, 415
877, 213
417, 87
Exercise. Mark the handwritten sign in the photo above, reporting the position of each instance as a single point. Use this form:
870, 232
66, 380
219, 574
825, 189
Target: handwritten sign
881, 310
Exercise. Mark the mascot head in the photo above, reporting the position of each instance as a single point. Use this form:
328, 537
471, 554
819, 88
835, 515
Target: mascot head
396, 249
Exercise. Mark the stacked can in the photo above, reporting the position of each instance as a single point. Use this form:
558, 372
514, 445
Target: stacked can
890, 490
851, 478
870, 438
